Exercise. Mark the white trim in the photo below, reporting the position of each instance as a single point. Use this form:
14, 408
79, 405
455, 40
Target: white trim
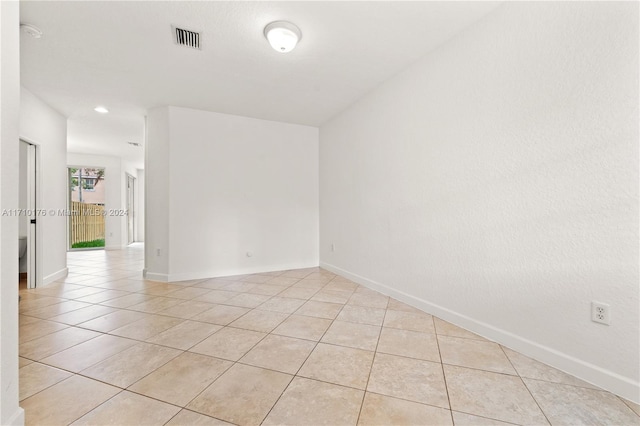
17, 418
130, 209
608, 380
215, 273
39, 252
33, 187
55, 276
152, 276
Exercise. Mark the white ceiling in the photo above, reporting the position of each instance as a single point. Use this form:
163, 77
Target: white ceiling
121, 55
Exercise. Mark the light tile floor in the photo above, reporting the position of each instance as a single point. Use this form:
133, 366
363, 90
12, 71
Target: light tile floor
303, 347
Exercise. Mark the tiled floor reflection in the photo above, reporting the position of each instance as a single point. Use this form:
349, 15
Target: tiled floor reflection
303, 347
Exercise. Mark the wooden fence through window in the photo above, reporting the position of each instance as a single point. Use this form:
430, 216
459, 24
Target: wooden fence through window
87, 222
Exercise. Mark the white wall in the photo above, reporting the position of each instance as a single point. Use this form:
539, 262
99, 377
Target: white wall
45, 127
156, 200
10, 412
495, 184
235, 185
115, 193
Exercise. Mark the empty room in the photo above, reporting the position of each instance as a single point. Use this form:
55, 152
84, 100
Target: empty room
319, 213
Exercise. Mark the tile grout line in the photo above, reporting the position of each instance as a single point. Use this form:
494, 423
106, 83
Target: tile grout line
525, 385
444, 375
625, 402
44, 389
99, 405
373, 360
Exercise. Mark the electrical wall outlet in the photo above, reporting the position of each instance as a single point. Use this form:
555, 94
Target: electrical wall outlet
333, 247
157, 252
600, 312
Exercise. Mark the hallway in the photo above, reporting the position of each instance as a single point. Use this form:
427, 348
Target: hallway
303, 347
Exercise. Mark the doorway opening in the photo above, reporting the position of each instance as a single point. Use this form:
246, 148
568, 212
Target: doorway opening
28, 205
131, 183
86, 206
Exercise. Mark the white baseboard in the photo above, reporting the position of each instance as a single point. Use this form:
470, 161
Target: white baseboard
240, 271
55, 276
16, 419
153, 276
608, 380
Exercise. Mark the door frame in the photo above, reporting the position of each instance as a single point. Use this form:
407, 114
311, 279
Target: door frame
34, 203
130, 205
69, 198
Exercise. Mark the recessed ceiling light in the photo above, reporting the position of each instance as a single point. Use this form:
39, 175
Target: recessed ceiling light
283, 36
32, 30
101, 110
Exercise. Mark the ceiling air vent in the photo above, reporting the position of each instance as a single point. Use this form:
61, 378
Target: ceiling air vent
186, 38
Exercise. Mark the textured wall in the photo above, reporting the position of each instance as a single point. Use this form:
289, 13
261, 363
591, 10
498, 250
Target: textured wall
495, 183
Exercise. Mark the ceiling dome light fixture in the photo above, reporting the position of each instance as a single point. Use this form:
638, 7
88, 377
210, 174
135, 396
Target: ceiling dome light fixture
283, 36
101, 110
32, 30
